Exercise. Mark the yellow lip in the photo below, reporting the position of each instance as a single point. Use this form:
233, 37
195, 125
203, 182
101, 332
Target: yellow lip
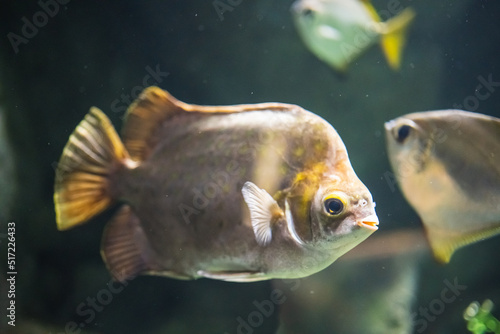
369, 222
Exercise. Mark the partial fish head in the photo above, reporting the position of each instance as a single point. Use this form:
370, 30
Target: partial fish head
444, 162
309, 16
408, 146
342, 211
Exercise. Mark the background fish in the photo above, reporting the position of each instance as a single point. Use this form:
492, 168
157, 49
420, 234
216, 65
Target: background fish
338, 31
238, 193
447, 164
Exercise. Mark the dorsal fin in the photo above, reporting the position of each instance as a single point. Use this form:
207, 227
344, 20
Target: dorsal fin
155, 106
151, 108
371, 10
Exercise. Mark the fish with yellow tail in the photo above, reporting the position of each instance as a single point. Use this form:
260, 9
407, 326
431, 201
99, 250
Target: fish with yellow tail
238, 193
339, 31
447, 164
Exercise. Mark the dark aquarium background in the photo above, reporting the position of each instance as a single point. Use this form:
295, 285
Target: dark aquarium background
103, 53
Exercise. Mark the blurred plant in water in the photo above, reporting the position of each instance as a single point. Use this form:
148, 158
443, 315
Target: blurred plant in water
479, 318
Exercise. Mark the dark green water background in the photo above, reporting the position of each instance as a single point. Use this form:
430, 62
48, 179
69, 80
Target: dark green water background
93, 53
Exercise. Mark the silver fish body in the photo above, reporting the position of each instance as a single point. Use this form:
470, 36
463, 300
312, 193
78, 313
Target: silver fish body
235, 193
447, 164
339, 31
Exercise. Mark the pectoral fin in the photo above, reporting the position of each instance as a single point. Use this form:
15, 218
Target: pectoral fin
263, 211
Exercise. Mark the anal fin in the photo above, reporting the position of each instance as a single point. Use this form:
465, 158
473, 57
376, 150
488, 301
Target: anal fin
234, 276
445, 243
125, 247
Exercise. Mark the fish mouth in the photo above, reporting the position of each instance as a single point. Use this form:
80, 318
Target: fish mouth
389, 125
369, 222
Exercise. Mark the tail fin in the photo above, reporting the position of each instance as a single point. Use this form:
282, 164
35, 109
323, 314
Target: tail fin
81, 188
394, 37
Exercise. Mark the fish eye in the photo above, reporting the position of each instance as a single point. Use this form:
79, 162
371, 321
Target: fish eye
334, 205
403, 133
309, 13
